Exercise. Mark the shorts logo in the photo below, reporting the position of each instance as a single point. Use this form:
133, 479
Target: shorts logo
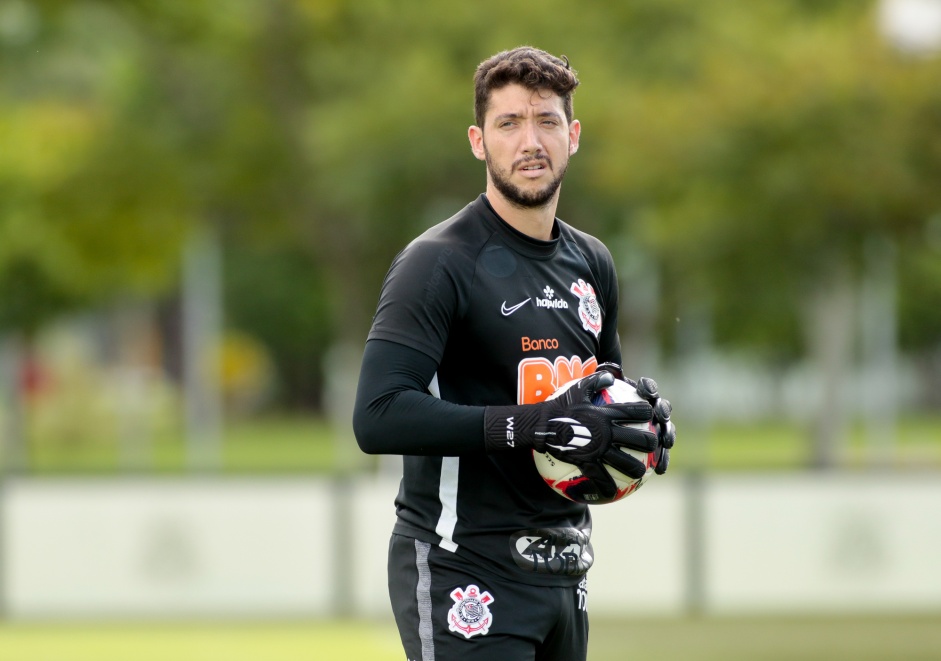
583, 594
470, 615
588, 309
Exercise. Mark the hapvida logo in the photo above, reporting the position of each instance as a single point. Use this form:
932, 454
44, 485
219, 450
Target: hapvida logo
550, 301
558, 304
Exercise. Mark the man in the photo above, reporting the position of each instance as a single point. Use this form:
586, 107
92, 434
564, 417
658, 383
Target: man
479, 320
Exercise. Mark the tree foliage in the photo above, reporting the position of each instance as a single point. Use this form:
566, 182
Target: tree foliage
745, 146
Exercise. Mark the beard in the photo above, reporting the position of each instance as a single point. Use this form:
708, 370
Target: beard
517, 196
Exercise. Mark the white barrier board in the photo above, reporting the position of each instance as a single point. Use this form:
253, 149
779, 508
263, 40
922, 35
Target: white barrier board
828, 542
640, 547
166, 548
237, 547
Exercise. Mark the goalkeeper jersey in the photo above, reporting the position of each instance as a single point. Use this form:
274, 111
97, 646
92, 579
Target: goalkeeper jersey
507, 319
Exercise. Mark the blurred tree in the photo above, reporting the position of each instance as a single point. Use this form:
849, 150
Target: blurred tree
796, 137
78, 182
748, 149
279, 297
78, 222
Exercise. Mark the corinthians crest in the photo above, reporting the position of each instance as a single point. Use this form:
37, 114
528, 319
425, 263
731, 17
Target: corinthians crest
588, 309
470, 615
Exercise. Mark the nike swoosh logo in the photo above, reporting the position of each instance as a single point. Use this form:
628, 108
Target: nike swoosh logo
508, 311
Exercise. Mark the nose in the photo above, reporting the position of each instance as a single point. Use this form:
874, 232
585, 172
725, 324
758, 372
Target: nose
530, 139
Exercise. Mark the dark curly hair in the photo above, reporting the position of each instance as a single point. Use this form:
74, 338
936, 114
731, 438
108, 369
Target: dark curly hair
527, 66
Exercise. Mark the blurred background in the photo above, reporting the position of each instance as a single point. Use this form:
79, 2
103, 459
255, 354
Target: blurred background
199, 200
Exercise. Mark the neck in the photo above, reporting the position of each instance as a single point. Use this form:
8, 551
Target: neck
535, 222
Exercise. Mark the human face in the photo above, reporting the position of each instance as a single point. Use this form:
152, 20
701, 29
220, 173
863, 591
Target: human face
526, 142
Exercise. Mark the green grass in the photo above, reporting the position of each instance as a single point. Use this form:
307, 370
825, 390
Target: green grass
276, 444
349, 641
768, 639
308, 445
668, 639
779, 445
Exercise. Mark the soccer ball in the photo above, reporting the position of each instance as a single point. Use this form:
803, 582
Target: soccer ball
567, 479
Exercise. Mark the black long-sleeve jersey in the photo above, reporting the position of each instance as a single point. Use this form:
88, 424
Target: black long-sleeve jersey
474, 313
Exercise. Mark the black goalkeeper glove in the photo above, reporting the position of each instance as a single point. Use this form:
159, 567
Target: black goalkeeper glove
666, 430
576, 431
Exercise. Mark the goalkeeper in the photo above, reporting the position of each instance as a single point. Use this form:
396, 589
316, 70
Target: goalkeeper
479, 320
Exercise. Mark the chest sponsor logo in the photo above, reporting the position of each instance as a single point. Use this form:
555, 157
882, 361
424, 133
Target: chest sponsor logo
539, 344
557, 551
470, 615
588, 309
537, 378
550, 301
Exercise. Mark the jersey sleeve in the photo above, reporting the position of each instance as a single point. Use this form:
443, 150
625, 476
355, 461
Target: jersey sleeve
601, 264
395, 414
609, 340
419, 299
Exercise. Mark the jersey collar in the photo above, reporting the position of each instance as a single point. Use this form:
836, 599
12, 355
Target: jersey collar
525, 245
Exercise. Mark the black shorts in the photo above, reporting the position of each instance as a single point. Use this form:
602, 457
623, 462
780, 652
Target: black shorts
446, 609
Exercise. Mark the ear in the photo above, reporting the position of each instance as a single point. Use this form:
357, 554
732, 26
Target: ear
476, 136
575, 130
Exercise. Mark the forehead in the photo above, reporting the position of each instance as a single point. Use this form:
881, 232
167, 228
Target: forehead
521, 101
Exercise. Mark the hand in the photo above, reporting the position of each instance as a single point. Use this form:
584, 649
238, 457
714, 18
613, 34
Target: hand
576, 431
666, 431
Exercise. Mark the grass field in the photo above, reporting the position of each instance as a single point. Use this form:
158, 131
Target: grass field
700, 639
308, 445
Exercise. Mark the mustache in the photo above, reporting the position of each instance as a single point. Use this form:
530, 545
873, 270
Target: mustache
523, 162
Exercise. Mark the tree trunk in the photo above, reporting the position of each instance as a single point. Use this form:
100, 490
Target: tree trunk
202, 334
879, 344
830, 326
12, 405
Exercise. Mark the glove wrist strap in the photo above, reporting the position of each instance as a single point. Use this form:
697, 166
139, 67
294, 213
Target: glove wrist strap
508, 427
